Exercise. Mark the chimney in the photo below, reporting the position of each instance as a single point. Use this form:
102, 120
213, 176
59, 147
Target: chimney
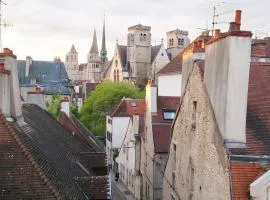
27, 65
10, 63
217, 33
235, 26
4, 90
226, 76
65, 105
151, 97
195, 51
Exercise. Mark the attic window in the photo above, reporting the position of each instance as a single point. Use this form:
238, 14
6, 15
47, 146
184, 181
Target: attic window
168, 114
133, 103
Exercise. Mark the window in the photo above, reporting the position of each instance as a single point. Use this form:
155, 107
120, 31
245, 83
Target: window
147, 191
109, 121
116, 63
168, 114
171, 42
172, 197
191, 183
173, 179
117, 75
114, 75
180, 42
109, 136
174, 157
193, 124
127, 153
133, 104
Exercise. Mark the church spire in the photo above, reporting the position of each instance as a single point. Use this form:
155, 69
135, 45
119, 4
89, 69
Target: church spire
94, 47
103, 51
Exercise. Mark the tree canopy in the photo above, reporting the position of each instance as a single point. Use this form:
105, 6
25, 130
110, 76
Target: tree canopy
54, 106
100, 102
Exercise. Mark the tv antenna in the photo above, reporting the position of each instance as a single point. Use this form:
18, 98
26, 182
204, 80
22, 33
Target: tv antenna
215, 15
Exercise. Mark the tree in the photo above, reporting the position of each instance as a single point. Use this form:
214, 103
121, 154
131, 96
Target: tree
100, 103
54, 106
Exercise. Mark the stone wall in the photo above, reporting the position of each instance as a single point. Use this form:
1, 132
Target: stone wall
201, 161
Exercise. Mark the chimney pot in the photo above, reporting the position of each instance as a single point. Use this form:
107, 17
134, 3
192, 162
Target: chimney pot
238, 19
234, 27
217, 33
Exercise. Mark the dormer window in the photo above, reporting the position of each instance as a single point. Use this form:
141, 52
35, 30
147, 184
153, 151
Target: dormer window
168, 114
133, 104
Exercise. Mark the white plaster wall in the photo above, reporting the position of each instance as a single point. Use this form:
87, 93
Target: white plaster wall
201, 149
25, 90
169, 85
5, 94
226, 78
15, 106
119, 128
37, 99
160, 61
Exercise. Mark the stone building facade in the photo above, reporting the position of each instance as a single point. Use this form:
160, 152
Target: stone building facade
177, 40
198, 166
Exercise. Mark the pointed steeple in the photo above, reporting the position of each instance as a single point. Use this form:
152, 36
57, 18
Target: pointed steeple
72, 49
94, 47
103, 52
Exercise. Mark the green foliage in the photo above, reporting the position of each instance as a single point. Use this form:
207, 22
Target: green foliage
54, 106
74, 111
101, 101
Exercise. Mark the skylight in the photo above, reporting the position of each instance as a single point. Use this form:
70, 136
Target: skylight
168, 114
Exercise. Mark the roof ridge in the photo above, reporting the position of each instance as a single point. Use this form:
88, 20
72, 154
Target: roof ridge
30, 158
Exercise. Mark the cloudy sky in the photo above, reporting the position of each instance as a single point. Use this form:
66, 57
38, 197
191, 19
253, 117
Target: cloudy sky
44, 29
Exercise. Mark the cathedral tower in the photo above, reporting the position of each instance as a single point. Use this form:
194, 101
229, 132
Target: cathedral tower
71, 63
139, 52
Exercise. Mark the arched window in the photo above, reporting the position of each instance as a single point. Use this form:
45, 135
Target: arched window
114, 75
117, 75
181, 42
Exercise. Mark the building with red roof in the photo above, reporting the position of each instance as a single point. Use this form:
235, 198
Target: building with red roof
219, 146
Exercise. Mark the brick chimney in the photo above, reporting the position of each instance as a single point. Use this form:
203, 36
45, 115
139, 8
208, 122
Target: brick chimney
10, 64
226, 75
192, 53
151, 97
27, 65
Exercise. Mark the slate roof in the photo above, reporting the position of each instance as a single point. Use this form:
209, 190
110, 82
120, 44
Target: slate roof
129, 107
20, 177
258, 112
162, 128
57, 152
51, 75
242, 175
154, 51
173, 67
123, 54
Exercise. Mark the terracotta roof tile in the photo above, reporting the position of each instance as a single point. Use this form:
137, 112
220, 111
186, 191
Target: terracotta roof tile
258, 112
162, 128
243, 174
56, 151
20, 177
173, 67
161, 136
129, 107
162, 103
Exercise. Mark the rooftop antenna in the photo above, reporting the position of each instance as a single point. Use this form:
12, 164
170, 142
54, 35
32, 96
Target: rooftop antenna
1, 24
215, 15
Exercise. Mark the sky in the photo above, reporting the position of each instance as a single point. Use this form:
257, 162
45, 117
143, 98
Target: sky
44, 29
